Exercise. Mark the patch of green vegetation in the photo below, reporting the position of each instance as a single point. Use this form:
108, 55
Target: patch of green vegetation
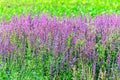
9, 8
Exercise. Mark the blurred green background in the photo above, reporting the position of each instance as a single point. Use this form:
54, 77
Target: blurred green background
9, 8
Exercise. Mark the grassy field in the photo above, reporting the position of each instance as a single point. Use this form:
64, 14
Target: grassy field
9, 8
72, 42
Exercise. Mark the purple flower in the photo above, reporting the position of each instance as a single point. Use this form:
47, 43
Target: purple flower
47, 29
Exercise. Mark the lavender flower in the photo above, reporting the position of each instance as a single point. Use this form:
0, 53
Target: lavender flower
83, 28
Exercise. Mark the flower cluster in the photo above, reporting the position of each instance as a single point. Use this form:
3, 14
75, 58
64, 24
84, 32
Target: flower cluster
87, 36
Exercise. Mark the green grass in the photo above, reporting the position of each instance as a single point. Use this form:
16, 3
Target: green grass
9, 8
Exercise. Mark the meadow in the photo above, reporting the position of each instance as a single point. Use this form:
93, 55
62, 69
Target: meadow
59, 40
